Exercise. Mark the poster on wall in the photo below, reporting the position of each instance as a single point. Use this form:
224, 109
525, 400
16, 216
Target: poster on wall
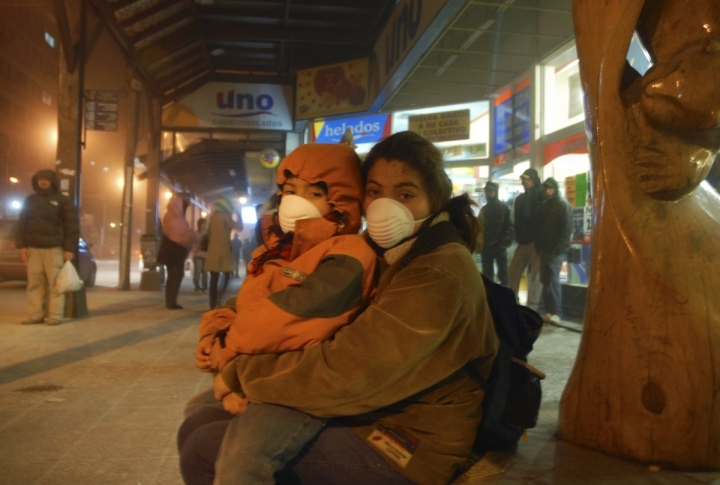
443, 126
521, 118
502, 126
364, 129
233, 105
334, 89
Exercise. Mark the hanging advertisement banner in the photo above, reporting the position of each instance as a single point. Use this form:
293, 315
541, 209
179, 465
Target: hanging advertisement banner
444, 126
408, 22
334, 89
502, 126
572, 144
233, 105
522, 98
365, 129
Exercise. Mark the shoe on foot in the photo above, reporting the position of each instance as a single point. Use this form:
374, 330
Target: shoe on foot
31, 321
175, 307
551, 318
198, 291
53, 321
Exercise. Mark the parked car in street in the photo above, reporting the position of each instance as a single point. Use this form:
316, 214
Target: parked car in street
12, 267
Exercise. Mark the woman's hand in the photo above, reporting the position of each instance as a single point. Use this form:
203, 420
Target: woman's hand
202, 353
235, 404
220, 388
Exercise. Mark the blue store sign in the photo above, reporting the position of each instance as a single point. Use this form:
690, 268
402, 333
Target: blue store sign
365, 129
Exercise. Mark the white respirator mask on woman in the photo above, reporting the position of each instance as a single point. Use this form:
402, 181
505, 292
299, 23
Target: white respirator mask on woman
292, 209
389, 222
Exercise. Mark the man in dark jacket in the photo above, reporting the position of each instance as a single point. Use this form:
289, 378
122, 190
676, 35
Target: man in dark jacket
527, 218
47, 236
552, 244
497, 234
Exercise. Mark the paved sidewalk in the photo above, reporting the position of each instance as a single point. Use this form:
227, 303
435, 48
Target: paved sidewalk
98, 400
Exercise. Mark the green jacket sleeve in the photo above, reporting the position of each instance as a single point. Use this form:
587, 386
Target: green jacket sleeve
421, 329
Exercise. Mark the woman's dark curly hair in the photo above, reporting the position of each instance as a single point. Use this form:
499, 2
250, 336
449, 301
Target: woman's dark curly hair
421, 155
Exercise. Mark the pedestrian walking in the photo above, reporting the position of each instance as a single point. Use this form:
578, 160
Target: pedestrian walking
177, 238
497, 234
46, 235
552, 244
525, 257
219, 255
199, 253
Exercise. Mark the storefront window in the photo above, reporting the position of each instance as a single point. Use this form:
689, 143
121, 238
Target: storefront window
562, 97
183, 141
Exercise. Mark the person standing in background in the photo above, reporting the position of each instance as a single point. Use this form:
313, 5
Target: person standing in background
236, 244
219, 255
552, 244
46, 236
177, 238
527, 214
199, 254
497, 234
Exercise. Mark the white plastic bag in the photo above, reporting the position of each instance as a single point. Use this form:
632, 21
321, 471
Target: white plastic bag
67, 279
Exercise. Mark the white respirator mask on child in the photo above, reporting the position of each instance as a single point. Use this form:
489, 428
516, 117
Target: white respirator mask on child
293, 208
389, 222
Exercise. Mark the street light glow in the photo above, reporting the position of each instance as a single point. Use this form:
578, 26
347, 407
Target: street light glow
112, 224
242, 200
168, 194
15, 204
121, 182
203, 214
13, 180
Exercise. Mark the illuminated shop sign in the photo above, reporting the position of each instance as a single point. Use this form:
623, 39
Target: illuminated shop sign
511, 130
233, 105
444, 126
365, 129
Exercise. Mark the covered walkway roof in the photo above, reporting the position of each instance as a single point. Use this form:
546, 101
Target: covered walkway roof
475, 47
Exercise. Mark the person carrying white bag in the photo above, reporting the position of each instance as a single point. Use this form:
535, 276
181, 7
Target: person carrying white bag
46, 235
67, 279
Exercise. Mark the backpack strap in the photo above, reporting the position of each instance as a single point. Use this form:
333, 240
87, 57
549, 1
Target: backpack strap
430, 239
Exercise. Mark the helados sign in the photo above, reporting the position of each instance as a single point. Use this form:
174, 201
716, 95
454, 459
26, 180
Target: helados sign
365, 129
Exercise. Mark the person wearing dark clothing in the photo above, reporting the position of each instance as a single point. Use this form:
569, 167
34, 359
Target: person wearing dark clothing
527, 217
46, 236
174, 248
497, 234
236, 245
552, 244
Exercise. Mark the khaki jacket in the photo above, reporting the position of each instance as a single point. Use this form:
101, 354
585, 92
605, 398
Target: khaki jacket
397, 372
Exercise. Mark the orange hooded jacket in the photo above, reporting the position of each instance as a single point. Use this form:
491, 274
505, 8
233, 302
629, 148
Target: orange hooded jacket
327, 281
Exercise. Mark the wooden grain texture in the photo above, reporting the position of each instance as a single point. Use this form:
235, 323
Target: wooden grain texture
646, 383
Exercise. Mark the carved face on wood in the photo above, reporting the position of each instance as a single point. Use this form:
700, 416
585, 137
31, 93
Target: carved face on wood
674, 111
674, 115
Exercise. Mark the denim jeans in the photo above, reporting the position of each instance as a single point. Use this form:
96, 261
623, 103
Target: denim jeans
488, 266
200, 277
337, 456
261, 441
550, 279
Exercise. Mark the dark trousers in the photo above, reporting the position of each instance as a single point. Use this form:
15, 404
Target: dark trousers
336, 457
213, 291
175, 273
488, 266
550, 279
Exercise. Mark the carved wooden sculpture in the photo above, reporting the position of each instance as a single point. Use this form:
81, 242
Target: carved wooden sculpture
646, 382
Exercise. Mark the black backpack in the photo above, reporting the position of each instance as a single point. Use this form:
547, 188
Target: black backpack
513, 391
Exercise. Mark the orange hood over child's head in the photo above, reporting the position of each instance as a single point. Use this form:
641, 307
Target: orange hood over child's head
338, 167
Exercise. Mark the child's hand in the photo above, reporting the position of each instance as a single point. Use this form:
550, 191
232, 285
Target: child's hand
217, 359
221, 389
202, 353
235, 404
